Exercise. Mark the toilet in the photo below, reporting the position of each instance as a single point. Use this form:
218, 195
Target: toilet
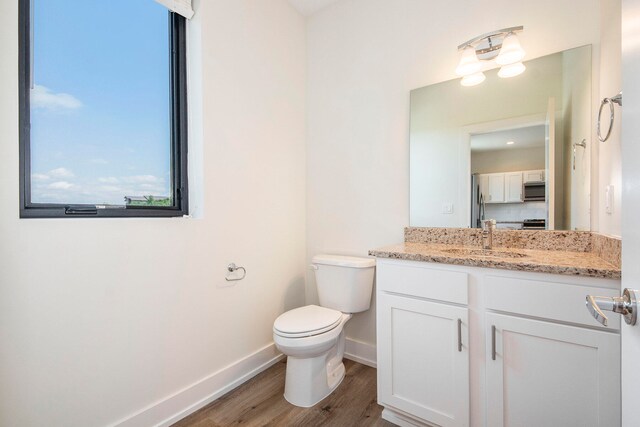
312, 337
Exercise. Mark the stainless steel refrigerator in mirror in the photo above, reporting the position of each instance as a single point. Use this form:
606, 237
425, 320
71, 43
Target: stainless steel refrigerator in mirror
477, 203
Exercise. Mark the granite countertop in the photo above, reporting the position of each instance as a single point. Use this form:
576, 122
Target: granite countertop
574, 263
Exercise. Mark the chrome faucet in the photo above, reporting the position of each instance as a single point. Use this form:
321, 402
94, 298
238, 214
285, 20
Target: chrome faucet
488, 225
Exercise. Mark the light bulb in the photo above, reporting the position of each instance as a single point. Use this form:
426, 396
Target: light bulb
473, 79
469, 63
511, 51
511, 70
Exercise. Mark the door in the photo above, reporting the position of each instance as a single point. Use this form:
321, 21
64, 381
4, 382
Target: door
513, 187
496, 188
423, 359
631, 199
547, 374
550, 161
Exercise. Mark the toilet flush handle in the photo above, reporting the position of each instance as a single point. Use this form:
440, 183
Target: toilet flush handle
313, 266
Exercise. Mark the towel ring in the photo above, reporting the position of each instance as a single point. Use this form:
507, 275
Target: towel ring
615, 100
233, 268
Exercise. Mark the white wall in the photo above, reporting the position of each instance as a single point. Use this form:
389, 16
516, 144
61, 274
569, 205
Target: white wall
520, 159
100, 318
364, 57
576, 108
515, 212
609, 159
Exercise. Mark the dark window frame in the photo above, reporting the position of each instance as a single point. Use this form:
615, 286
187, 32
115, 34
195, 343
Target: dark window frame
178, 102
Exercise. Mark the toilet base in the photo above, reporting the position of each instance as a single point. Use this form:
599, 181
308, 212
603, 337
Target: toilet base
310, 380
314, 366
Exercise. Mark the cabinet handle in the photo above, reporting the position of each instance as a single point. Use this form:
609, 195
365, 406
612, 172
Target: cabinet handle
493, 342
459, 334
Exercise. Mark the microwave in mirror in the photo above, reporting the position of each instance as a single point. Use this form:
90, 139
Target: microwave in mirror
534, 192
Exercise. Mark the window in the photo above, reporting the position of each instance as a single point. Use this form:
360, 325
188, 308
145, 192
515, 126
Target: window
103, 125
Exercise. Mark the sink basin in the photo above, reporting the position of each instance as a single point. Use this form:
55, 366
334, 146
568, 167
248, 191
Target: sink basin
485, 253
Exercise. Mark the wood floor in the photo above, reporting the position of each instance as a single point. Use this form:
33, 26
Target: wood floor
259, 402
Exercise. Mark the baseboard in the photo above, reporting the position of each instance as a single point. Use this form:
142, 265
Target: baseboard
402, 420
361, 352
191, 398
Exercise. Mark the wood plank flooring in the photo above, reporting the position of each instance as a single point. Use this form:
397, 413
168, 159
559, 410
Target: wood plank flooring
260, 402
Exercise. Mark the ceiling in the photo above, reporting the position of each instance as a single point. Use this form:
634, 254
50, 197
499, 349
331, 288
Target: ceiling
309, 7
525, 137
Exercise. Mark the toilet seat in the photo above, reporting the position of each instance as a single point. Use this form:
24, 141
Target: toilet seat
306, 321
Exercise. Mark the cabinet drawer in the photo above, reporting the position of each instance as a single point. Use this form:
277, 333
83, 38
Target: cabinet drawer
549, 300
423, 282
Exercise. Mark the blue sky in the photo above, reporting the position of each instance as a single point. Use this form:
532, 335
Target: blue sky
100, 113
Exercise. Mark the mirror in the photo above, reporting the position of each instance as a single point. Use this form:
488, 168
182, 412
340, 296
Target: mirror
516, 150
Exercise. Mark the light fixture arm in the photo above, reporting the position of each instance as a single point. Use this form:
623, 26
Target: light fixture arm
488, 36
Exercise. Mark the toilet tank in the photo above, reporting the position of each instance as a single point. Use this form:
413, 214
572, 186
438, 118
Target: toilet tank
344, 283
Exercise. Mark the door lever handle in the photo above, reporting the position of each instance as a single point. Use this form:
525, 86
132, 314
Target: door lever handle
627, 305
595, 305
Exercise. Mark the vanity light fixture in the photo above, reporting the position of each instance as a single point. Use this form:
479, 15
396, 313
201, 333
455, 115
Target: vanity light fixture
510, 142
473, 79
511, 70
501, 46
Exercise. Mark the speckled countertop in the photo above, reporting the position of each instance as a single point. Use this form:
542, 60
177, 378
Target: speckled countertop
580, 261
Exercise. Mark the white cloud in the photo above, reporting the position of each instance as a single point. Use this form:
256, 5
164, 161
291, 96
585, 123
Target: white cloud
64, 186
43, 97
112, 188
60, 185
149, 179
109, 180
61, 173
39, 177
147, 186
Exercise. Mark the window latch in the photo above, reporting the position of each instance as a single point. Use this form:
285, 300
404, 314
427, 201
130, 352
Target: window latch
80, 210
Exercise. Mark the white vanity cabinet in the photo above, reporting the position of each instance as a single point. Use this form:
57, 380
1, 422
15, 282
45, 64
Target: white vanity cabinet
423, 343
527, 352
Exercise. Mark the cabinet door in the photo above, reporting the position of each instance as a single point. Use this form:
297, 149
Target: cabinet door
546, 374
496, 188
421, 368
513, 186
534, 176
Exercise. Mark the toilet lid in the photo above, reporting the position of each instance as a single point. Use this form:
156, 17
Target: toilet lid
306, 321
